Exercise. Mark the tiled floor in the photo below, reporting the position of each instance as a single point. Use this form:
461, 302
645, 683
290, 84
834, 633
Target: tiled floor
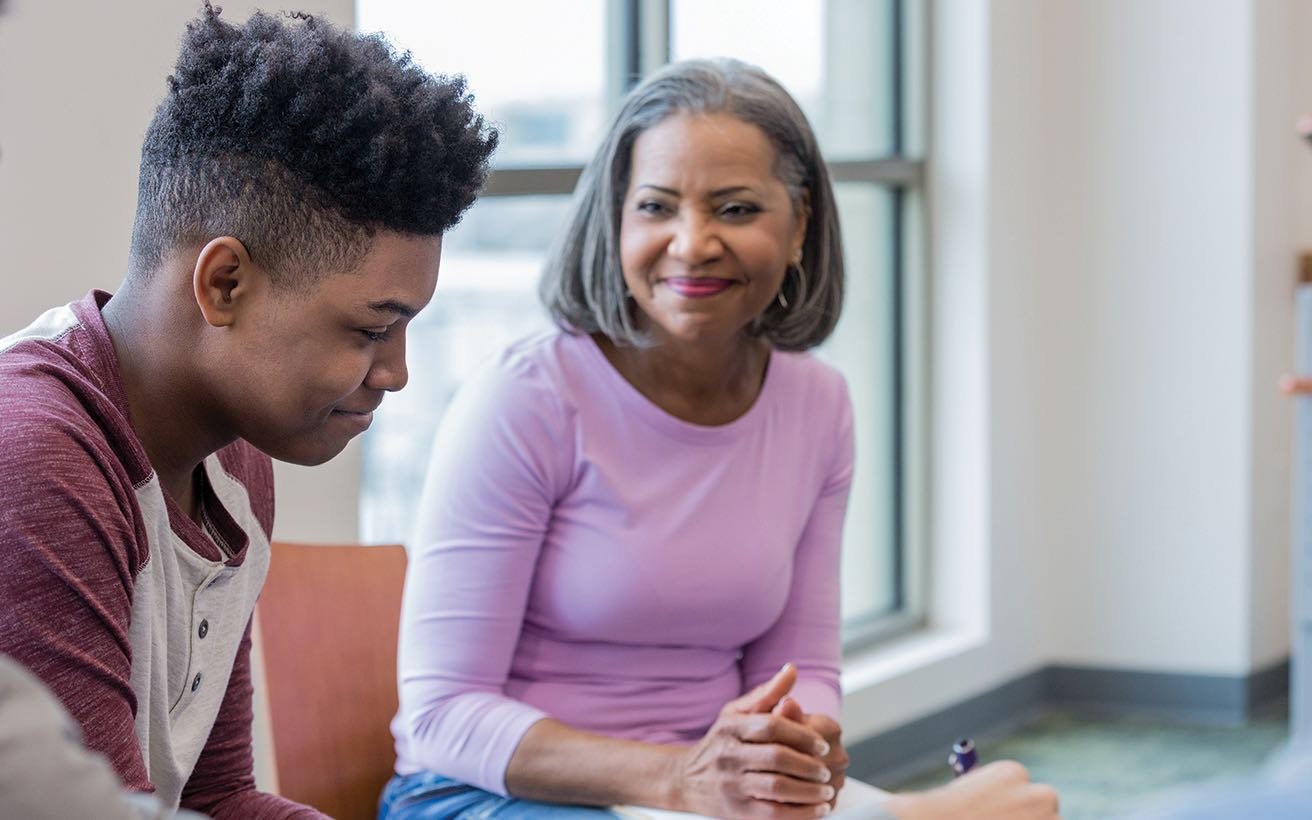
1105, 766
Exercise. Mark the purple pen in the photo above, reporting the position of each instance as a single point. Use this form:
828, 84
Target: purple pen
962, 758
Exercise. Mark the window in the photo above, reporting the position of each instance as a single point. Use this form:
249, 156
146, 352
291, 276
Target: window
550, 82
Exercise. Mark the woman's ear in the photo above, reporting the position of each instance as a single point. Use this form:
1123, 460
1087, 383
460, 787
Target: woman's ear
223, 279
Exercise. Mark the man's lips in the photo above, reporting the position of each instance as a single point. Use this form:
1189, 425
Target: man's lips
361, 412
698, 287
359, 420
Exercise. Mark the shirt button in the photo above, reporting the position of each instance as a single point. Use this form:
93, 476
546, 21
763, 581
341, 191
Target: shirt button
204, 629
195, 682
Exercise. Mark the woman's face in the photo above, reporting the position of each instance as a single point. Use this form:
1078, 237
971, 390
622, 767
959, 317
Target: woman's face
707, 230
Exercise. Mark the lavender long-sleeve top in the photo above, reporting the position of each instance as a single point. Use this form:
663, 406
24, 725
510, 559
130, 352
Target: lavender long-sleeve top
583, 555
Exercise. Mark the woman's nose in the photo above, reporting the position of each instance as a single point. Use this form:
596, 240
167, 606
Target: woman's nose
696, 240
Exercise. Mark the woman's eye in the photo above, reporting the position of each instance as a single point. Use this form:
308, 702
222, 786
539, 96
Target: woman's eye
738, 210
651, 207
374, 335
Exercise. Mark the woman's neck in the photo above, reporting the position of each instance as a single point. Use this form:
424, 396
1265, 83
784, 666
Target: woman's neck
703, 384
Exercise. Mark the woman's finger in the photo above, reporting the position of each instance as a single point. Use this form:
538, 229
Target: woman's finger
778, 788
772, 758
790, 708
766, 696
770, 728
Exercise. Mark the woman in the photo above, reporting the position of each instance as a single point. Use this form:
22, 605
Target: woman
632, 521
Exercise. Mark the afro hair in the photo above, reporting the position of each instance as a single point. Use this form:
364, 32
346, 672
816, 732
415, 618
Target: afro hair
302, 140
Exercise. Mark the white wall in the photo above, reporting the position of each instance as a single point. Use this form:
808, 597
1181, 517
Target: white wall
1166, 259
1149, 332
1117, 200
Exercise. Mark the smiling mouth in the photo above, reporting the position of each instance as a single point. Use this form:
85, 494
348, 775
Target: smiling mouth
698, 287
360, 420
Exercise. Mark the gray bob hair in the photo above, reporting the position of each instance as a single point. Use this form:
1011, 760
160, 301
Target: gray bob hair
582, 284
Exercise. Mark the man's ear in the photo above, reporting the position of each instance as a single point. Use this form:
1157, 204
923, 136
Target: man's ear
224, 279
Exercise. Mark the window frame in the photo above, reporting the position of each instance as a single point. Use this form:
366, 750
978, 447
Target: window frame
638, 42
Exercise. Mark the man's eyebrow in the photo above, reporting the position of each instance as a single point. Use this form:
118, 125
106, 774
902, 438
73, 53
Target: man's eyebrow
393, 306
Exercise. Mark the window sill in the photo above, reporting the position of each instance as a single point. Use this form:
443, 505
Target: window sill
869, 667
886, 685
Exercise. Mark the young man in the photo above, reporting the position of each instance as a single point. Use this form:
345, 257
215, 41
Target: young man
295, 185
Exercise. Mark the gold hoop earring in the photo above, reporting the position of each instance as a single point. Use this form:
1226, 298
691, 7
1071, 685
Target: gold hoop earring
801, 277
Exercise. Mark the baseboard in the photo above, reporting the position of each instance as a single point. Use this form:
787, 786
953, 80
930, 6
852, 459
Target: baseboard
1267, 685
913, 747
1199, 698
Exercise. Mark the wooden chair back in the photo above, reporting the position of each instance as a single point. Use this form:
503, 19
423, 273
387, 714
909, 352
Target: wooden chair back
328, 620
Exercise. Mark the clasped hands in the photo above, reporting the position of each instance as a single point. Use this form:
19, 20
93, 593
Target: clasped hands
764, 757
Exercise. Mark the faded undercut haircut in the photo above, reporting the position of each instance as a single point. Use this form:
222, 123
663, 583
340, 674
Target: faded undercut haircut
302, 140
582, 284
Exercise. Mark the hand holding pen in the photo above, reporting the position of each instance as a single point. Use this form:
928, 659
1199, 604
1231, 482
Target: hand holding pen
1001, 790
963, 757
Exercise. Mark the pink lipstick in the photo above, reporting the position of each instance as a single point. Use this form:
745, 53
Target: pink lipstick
697, 287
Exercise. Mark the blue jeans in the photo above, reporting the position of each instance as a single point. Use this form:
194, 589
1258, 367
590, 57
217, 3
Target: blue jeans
429, 796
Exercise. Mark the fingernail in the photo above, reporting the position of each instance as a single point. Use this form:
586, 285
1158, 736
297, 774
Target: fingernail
822, 748
828, 793
822, 811
826, 776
